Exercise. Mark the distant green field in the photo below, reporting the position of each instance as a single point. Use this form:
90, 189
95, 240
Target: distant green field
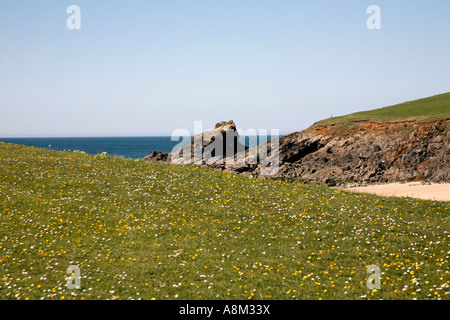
140, 230
422, 110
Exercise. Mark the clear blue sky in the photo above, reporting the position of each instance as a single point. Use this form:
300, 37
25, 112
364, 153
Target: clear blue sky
148, 67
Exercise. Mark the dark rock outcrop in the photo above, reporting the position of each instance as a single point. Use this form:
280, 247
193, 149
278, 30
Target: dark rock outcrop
158, 156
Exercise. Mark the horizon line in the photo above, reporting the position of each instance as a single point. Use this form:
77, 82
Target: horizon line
105, 136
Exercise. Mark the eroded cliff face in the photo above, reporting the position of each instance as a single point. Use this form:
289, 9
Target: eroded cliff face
357, 152
365, 151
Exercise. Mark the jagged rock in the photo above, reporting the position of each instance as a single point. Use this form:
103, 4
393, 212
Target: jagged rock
369, 152
158, 156
214, 148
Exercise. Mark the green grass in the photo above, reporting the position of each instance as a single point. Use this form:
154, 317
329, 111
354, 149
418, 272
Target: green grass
422, 110
141, 230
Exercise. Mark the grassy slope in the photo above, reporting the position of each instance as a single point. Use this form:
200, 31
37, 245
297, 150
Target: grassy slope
423, 110
148, 230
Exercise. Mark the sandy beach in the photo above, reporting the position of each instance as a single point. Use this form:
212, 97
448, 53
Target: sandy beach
434, 191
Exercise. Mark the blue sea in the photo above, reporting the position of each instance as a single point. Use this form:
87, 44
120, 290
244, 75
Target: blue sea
128, 147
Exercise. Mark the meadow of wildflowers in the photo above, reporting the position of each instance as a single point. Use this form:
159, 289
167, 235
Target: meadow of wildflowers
141, 230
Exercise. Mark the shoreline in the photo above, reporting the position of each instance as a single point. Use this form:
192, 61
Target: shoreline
419, 190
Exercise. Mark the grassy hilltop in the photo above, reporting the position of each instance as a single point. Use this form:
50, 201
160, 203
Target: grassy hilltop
422, 110
145, 230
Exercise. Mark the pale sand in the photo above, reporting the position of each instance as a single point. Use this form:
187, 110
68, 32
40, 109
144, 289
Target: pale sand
435, 191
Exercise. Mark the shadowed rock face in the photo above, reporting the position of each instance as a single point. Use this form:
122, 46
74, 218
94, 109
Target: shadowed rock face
359, 152
157, 156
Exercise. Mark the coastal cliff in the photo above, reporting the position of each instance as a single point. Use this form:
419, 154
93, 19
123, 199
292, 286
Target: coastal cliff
362, 151
366, 151
399, 143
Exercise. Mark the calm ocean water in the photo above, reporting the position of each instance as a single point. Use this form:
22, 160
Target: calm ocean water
128, 147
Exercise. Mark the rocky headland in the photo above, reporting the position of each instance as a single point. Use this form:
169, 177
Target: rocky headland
353, 152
